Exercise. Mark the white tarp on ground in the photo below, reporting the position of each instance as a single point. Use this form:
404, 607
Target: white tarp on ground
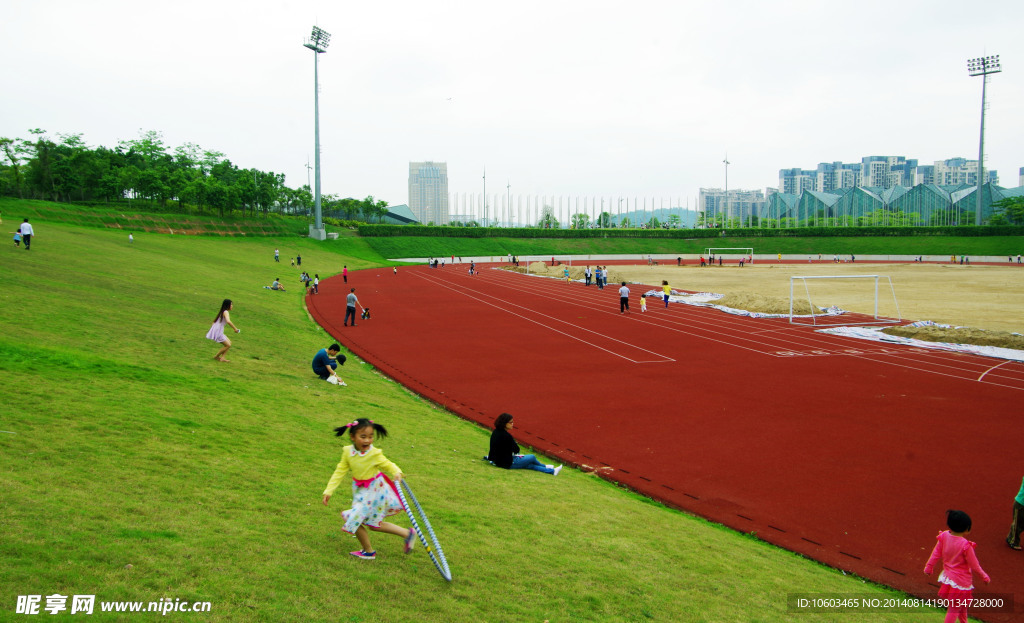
704, 299
875, 334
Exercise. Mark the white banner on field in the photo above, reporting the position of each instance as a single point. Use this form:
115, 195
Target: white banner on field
875, 334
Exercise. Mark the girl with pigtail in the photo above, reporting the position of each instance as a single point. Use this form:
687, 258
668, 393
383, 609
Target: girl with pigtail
374, 493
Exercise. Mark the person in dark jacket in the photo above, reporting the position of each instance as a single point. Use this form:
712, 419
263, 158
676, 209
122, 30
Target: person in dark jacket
505, 451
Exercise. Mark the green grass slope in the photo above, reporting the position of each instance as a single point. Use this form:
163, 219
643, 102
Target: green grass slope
134, 467
401, 246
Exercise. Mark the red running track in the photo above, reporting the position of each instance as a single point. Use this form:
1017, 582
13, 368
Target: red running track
843, 450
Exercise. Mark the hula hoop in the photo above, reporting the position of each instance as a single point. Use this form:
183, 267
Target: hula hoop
434, 547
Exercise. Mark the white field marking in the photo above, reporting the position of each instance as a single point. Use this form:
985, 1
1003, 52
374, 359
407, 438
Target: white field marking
892, 350
962, 377
664, 358
992, 368
711, 320
809, 343
767, 350
714, 321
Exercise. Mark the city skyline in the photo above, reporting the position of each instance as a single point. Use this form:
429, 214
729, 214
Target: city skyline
594, 99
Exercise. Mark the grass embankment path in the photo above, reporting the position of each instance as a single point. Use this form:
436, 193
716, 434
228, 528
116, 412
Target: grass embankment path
134, 467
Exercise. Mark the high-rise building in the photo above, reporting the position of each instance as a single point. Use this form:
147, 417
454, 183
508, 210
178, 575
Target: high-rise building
881, 172
428, 192
794, 181
957, 171
1020, 179
739, 204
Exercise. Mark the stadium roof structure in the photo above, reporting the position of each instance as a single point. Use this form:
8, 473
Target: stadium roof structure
924, 204
400, 215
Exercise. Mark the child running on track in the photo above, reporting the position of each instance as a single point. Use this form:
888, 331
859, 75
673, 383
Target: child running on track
958, 561
374, 496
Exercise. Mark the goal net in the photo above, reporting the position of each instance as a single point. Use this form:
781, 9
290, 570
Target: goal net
737, 251
865, 299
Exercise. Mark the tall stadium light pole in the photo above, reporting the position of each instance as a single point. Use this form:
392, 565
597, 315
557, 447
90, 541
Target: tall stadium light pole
727, 214
982, 67
318, 42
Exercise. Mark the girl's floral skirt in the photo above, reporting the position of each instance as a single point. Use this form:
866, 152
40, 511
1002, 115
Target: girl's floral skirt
371, 503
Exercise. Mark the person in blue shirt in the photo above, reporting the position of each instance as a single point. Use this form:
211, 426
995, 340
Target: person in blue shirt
325, 364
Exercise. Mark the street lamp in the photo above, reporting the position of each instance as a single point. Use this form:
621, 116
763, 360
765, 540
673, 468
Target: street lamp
318, 41
982, 66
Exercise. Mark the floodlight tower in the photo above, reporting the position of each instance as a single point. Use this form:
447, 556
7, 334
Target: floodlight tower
318, 41
727, 214
982, 67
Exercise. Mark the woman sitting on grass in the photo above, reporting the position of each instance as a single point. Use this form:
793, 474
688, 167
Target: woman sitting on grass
505, 450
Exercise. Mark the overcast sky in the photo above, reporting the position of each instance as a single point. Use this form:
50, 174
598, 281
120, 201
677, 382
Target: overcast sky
555, 97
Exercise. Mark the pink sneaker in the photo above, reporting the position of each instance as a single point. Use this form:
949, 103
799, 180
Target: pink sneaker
364, 555
410, 541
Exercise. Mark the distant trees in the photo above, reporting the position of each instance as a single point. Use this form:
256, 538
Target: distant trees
1008, 211
547, 218
580, 220
145, 172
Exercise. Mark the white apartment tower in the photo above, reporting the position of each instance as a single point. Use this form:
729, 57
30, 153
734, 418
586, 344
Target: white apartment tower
428, 192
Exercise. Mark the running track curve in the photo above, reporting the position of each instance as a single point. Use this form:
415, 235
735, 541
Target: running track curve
846, 451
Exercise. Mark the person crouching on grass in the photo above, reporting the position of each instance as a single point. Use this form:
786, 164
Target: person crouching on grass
374, 493
326, 362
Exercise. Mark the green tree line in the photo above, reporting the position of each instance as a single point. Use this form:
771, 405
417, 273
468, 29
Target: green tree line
148, 175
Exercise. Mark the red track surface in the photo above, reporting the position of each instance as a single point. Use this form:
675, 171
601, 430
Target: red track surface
843, 450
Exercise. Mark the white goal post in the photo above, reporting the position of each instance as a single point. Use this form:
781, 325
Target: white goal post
794, 319
745, 251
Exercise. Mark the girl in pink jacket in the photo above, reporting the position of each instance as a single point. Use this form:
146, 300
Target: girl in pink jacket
958, 563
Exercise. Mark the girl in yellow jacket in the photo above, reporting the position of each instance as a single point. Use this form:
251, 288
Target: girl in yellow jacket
374, 493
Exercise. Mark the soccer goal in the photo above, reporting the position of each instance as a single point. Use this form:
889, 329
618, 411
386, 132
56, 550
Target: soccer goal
869, 292
730, 252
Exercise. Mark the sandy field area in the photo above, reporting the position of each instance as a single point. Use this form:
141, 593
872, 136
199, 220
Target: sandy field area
982, 297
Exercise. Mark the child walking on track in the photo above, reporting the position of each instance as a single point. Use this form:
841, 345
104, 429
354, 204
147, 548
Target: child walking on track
958, 563
374, 493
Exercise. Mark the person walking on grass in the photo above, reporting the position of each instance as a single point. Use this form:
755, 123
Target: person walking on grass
623, 298
374, 492
350, 306
26, 234
216, 332
504, 451
959, 563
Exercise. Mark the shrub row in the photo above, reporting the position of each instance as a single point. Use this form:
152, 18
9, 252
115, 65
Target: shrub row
751, 232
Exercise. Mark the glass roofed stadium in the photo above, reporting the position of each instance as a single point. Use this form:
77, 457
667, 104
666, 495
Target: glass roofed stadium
921, 205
